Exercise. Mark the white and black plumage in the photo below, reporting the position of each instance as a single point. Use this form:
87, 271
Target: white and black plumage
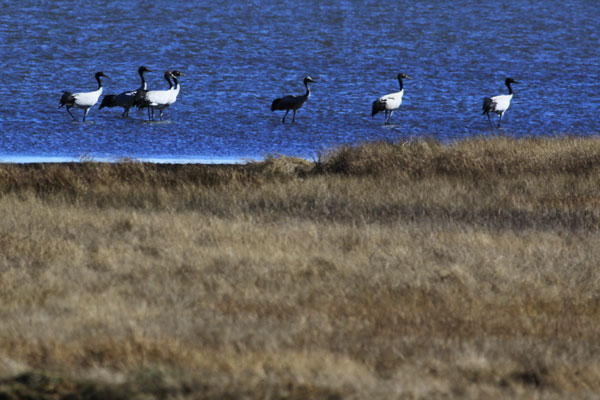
155, 99
176, 86
125, 99
498, 104
291, 102
83, 100
389, 102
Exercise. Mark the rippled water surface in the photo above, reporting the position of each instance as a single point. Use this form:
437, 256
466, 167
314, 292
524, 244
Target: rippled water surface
238, 56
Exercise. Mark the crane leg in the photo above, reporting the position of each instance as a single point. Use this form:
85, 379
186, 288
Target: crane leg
500, 119
160, 114
286, 113
69, 111
85, 113
125, 112
390, 118
294, 116
489, 119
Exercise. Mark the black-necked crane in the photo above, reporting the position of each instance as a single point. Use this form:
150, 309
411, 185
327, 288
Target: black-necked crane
498, 104
83, 100
155, 99
125, 99
176, 87
390, 102
292, 102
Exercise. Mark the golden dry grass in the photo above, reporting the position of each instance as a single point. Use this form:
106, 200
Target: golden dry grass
386, 270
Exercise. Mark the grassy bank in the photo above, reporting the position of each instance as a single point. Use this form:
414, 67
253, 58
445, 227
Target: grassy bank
407, 270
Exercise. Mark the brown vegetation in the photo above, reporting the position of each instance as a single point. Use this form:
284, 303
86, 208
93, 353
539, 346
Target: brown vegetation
385, 270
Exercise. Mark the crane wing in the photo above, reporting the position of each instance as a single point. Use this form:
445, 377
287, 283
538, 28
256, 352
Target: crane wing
285, 103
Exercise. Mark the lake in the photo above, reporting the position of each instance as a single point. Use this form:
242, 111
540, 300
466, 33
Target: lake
239, 56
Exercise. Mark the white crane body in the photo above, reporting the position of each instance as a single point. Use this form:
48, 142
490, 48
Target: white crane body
82, 100
389, 102
498, 104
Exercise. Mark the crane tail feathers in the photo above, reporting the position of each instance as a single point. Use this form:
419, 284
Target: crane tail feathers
66, 99
139, 100
276, 105
108, 101
488, 105
378, 106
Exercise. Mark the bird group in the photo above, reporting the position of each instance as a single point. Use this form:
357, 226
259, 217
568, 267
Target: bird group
392, 101
160, 99
141, 97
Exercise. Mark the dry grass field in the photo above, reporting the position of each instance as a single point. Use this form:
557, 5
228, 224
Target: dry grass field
410, 270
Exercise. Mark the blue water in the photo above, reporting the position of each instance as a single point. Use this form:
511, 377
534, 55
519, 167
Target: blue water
239, 56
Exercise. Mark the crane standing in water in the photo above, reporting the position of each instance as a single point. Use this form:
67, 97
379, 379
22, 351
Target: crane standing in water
83, 100
292, 102
125, 99
498, 104
389, 102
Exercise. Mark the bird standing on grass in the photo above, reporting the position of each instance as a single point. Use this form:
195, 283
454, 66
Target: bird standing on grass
125, 99
389, 102
83, 100
291, 102
498, 104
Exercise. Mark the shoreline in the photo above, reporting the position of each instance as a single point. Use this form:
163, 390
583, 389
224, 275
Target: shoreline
22, 159
7, 159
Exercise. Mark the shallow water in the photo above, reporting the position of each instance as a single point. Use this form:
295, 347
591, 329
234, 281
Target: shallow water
239, 56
